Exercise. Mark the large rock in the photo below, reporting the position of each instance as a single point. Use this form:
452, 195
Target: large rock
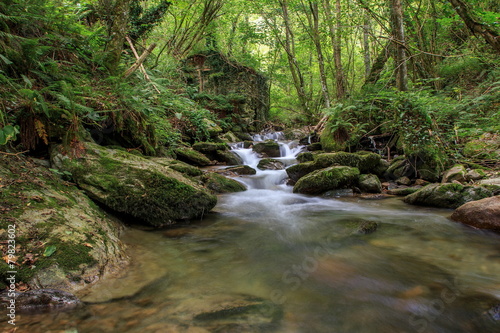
152, 193
220, 184
456, 173
41, 300
218, 151
192, 156
365, 162
270, 164
482, 214
323, 180
268, 148
449, 195
370, 183
65, 241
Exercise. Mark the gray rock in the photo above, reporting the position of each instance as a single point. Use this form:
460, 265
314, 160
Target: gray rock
370, 183
447, 195
456, 173
42, 300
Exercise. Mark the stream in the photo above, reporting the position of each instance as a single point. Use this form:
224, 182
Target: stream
269, 260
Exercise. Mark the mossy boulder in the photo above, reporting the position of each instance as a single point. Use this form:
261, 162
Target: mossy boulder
220, 184
268, 148
474, 175
209, 147
229, 137
213, 129
192, 156
152, 193
370, 183
270, 164
404, 191
320, 181
297, 171
456, 173
228, 157
399, 167
366, 162
305, 157
184, 168
449, 195
64, 240
218, 152
241, 170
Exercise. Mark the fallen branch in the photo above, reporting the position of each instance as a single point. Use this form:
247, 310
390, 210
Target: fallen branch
139, 61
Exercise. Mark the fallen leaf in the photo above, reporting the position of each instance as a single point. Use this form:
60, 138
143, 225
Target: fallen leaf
88, 245
49, 250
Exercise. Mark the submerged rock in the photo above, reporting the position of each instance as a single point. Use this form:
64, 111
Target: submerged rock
41, 300
151, 192
332, 178
482, 214
449, 195
367, 227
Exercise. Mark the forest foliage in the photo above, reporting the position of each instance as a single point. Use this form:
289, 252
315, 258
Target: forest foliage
425, 71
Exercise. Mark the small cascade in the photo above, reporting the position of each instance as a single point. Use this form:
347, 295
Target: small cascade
267, 179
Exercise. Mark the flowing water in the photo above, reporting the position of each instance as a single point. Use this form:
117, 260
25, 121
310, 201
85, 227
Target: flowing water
268, 260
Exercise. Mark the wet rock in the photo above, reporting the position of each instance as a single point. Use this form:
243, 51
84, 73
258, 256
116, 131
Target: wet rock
209, 147
320, 181
474, 175
421, 182
366, 162
404, 191
50, 212
270, 164
367, 227
241, 170
228, 157
297, 171
179, 166
192, 156
403, 181
41, 300
494, 312
152, 193
482, 214
268, 148
247, 144
447, 195
220, 184
315, 146
305, 157
229, 137
346, 192
456, 173
370, 183
239, 313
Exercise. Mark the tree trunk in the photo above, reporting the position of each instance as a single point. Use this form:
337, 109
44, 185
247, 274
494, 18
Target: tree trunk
116, 16
488, 34
366, 45
398, 35
378, 64
289, 45
337, 50
313, 6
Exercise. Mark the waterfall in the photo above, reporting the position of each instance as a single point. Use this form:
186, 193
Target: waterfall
267, 179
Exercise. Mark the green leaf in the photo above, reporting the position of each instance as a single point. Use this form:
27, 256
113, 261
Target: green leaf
3, 139
49, 250
5, 60
27, 81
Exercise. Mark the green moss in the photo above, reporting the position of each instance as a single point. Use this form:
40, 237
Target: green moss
71, 256
192, 156
220, 184
323, 180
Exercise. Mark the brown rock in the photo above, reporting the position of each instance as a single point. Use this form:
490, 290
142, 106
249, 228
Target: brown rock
482, 214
